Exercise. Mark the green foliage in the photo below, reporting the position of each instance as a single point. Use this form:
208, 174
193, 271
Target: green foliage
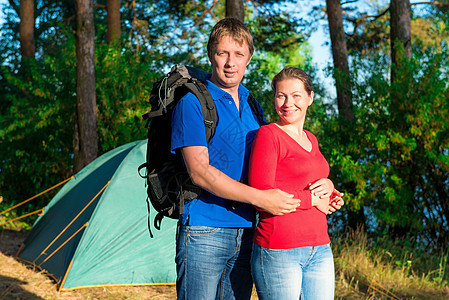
38, 120
391, 162
395, 162
36, 129
274, 32
124, 81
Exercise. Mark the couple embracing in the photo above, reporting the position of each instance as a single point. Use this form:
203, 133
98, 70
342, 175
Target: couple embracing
220, 251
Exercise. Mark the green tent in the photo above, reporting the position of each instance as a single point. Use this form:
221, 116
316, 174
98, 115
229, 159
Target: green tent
94, 232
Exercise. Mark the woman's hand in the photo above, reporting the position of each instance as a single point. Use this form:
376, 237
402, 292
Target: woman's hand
322, 188
321, 203
336, 201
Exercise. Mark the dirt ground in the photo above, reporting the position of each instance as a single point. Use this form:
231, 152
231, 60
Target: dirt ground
21, 281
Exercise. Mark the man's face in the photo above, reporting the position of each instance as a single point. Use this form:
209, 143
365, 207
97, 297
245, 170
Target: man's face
229, 60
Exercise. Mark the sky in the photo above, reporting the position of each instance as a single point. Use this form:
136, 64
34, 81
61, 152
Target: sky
2, 2
322, 57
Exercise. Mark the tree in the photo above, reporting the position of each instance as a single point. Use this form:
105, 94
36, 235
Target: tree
395, 163
113, 20
27, 28
400, 31
235, 9
356, 216
340, 56
85, 134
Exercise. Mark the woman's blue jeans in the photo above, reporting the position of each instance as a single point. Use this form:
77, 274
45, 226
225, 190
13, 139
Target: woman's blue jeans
298, 273
213, 263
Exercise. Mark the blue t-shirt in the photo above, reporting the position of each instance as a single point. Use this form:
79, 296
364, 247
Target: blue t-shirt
229, 151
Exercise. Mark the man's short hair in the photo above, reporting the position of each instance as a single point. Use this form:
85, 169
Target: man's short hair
233, 28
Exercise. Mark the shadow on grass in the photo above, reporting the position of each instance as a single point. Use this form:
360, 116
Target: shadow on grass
11, 289
10, 241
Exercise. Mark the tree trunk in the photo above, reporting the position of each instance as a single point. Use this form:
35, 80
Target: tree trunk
234, 9
85, 138
26, 34
356, 219
113, 19
340, 56
400, 31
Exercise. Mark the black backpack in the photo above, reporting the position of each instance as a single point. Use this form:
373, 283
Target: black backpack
168, 183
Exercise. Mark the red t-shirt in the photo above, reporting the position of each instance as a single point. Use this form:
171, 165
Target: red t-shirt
278, 161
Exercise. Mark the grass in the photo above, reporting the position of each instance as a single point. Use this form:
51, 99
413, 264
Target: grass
387, 269
20, 281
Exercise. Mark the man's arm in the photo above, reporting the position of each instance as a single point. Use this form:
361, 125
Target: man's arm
213, 180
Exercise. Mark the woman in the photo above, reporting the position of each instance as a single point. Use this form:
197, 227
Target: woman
291, 257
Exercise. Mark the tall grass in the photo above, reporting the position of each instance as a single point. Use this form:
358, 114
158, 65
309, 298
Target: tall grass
387, 268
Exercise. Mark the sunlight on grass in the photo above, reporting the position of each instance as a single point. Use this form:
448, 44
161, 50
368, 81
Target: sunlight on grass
386, 271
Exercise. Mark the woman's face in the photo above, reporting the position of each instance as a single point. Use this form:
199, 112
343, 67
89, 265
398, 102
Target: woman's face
292, 100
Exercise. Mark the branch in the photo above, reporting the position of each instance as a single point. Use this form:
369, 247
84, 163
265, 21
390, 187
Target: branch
100, 6
350, 1
368, 16
358, 21
203, 15
438, 3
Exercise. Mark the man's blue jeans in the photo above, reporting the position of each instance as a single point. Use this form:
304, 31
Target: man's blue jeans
213, 263
298, 273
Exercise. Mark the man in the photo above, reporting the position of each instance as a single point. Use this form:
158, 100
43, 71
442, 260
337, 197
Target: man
214, 237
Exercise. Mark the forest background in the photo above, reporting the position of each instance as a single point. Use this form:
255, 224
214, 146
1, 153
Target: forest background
74, 84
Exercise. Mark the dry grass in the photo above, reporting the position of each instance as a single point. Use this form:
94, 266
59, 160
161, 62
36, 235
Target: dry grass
20, 281
362, 273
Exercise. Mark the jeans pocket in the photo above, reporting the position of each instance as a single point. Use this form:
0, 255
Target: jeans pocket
201, 230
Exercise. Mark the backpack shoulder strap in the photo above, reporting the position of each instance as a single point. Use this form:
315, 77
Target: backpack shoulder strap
207, 106
257, 110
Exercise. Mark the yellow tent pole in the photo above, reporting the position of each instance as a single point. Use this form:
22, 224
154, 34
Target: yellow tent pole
71, 222
379, 291
65, 276
18, 218
35, 196
390, 294
87, 223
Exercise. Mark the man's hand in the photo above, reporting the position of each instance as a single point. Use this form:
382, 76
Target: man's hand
277, 202
336, 201
322, 188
